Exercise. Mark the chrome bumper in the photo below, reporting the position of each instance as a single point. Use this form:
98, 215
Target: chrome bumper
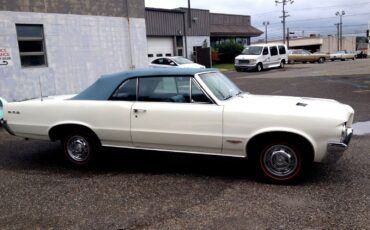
335, 150
4, 124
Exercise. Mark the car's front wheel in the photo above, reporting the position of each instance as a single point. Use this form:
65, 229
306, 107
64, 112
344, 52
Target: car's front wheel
279, 162
321, 60
80, 147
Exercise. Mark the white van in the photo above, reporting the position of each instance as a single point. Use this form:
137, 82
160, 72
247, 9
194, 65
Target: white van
262, 56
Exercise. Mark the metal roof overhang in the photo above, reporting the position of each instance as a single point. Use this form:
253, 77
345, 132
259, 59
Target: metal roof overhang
234, 31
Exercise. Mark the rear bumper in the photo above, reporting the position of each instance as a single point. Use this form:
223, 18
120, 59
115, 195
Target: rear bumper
335, 150
4, 124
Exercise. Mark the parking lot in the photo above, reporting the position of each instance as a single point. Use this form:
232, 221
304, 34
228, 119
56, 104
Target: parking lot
151, 190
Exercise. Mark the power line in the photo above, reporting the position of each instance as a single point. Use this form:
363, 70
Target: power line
314, 8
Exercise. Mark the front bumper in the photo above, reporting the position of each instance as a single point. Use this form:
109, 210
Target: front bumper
4, 124
335, 150
245, 66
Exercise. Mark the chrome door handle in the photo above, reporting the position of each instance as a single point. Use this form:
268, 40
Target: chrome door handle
139, 110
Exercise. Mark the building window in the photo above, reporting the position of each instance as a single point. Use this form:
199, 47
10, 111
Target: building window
31, 43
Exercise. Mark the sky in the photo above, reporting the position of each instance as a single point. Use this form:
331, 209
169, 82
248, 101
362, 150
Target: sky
306, 16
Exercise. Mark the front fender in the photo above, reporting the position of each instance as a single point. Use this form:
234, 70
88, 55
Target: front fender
285, 130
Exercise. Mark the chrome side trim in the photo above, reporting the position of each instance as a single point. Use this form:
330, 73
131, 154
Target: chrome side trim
174, 151
6, 127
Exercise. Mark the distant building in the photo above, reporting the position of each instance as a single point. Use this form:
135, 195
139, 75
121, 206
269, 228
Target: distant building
169, 33
62, 46
327, 44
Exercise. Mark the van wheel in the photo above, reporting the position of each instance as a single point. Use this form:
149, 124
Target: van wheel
282, 65
259, 67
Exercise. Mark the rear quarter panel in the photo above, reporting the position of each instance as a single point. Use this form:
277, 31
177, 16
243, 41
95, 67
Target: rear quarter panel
110, 120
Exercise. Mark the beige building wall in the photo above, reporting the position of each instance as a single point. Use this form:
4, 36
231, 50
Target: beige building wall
327, 44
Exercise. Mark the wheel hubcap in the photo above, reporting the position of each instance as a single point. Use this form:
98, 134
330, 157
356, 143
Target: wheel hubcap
78, 148
280, 160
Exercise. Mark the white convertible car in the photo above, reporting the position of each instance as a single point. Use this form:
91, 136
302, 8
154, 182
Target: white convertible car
197, 111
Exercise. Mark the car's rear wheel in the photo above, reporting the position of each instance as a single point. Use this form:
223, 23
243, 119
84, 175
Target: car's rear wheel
80, 147
259, 67
279, 162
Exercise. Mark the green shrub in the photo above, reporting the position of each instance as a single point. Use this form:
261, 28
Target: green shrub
228, 51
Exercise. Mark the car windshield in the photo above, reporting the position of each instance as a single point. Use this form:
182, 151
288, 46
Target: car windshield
181, 60
220, 85
253, 50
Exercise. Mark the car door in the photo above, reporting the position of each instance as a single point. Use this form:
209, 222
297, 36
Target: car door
275, 58
168, 117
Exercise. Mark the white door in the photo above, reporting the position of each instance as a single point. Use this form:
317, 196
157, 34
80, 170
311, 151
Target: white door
160, 47
275, 57
166, 117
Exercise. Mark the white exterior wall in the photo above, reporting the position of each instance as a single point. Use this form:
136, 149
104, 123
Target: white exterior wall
195, 41
79, 49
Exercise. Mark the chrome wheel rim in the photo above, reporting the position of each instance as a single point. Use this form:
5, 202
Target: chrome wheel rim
259, 68
78, 148
280, 160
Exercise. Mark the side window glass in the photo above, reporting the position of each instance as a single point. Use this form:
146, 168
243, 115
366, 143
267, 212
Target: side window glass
166, 85
265, 51
164, 89
126, 92
273, 51
282, 50
197, 95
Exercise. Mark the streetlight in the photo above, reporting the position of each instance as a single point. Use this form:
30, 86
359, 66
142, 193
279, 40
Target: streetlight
285, 15
340, 14
266, 24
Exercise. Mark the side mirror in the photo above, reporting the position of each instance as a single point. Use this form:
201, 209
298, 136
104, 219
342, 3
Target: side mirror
265, 52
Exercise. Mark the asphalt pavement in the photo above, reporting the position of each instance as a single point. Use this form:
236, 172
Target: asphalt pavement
130, 189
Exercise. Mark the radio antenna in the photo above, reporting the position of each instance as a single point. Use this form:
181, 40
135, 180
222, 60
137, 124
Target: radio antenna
40, 88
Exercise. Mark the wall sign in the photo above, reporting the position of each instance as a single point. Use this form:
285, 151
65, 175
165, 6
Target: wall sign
6, 58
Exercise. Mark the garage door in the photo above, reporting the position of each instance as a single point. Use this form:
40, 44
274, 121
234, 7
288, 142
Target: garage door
160, 47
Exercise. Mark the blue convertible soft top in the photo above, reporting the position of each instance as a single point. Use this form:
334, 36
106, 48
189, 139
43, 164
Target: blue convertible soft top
104, 87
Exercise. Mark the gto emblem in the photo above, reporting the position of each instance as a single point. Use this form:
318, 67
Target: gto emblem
13, 112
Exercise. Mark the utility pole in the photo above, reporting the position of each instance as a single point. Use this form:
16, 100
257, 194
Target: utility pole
338, 34
285, 13
189, 13
340, 14
266, 24
288, 37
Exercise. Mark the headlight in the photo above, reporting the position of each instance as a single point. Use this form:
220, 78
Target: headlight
236, 61
252, 61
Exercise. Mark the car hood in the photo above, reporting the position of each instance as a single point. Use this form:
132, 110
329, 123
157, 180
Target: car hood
247, 57
293, 106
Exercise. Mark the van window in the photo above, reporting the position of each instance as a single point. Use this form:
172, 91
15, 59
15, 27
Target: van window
273, 51
265, 51
282, 50
252, 50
